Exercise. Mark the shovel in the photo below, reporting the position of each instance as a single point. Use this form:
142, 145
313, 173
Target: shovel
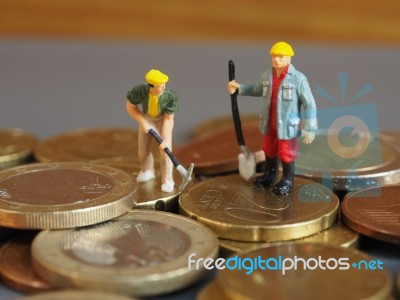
186, 174
247, 160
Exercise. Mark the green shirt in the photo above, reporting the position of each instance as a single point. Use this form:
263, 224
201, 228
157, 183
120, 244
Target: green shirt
167, 102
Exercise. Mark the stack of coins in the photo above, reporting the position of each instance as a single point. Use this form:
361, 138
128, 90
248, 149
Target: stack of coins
122, 250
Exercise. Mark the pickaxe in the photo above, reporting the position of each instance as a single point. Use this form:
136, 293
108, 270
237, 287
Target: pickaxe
186, 174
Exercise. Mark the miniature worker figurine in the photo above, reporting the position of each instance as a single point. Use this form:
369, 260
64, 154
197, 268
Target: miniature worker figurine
287, 99
158, 108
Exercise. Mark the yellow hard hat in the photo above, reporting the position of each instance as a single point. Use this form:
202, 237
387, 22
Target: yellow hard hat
281, 48
156, 77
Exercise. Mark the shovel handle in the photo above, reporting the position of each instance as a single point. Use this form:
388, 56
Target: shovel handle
159, 140
235, 108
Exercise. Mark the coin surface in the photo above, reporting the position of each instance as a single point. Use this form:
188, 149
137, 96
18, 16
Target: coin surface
221, 122
237, 210
374, 212
217, 152
337, 235
88, 144
149, 194
75, 295
16, 265
211, 291
141, 253
305, 271
16, 147
345, 167
63, 195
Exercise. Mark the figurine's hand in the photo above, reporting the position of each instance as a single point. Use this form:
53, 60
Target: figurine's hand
233, 86
309, 137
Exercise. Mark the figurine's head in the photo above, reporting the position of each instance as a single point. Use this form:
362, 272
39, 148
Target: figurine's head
281, 54
156, 80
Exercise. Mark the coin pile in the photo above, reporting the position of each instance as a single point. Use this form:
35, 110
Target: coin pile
114, 235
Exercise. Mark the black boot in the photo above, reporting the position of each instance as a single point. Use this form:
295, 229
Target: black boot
271, 169
285, 185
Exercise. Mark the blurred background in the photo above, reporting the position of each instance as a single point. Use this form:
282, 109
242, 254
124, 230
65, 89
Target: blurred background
69, 64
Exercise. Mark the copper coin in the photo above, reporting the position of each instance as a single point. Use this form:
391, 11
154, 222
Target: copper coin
235, 209
374, 212
304, 271
16, 265
351, 167
63, 195
221, 122
217, 152
16, 147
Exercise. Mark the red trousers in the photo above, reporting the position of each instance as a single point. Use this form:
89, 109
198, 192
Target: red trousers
285, 150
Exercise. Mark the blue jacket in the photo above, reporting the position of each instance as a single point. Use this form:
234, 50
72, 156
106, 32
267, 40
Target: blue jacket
295, 103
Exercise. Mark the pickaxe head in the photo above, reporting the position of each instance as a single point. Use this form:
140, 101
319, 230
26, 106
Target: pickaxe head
186, 176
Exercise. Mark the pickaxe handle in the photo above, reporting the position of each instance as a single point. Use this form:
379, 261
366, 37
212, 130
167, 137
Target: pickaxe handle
159, 140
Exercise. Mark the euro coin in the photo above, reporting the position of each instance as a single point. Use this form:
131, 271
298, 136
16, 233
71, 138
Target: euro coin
362, 161
63, 195
88, 144
16, 265
16, 147
374, 212
337, 235
75, 295
142, 253
217, 152
237, 210
304, 271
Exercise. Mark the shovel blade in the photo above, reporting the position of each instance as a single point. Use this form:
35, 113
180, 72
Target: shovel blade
247, 165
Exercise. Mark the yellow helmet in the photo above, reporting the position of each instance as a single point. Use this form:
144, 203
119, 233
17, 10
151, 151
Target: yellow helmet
156, 77
281, 48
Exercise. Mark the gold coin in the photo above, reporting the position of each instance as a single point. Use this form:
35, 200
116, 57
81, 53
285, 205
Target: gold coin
210, 292
63, 195
237, 210
304, 271
75, 295
378, 165
16, 147
141, 253
221, 122
337, 235
88, 144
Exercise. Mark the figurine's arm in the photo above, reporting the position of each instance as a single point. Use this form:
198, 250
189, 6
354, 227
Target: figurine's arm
309, 111
166, 131
137, 114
